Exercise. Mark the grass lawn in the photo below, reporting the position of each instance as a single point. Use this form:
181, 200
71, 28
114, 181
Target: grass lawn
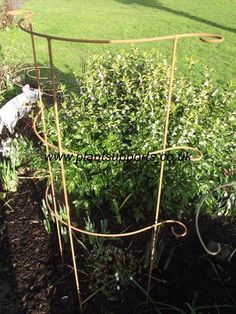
123, 19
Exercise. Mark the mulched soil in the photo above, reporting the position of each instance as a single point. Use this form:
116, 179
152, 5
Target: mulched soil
32, 277
34, 280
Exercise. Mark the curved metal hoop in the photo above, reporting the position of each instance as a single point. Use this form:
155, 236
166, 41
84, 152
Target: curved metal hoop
205, 37
213, 253
116, 235
215, 39
28, 71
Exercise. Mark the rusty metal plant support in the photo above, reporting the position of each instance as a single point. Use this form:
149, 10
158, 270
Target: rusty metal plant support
26, 26
232, 186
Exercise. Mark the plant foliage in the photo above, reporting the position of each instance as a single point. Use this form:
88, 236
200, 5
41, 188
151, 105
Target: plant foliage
119, 108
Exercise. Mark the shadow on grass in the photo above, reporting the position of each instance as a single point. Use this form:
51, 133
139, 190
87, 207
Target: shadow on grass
66, 78
161, 7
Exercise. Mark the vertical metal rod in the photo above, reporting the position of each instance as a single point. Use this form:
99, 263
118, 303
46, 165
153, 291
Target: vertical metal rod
63, 172
154, 235
41, 105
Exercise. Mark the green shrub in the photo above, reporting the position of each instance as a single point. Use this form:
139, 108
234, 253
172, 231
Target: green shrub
8, 67
119, 109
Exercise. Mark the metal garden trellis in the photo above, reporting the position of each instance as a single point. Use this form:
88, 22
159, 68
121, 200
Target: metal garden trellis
25, 25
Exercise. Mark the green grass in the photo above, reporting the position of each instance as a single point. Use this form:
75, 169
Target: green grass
122, 19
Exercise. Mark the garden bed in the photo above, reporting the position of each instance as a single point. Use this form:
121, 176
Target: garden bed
113, 198
33, 279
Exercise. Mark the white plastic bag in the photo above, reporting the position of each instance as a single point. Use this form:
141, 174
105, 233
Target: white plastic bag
17, 107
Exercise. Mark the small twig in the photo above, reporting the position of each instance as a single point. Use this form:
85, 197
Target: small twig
159, 280
95, 292
231, 255
125, 201
80, 271
80, 243
130, 245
